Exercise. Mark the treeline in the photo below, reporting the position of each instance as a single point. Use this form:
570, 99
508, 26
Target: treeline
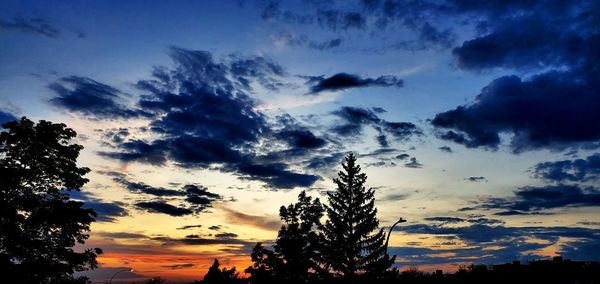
554, 271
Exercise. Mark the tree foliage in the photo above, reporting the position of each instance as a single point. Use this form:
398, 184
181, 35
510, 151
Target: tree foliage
39, 224
350, 243
353, 243
298, 242
297, 249
217, 275
266, 266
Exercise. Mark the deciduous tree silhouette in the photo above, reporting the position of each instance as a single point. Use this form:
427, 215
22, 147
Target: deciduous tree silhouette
266, 266
353, 243
39, 224
298, 242
297, 248
216, 275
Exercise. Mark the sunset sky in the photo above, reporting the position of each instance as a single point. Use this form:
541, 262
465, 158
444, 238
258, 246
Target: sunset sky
477, 121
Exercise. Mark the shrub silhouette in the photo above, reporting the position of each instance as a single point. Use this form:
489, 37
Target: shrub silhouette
39, 223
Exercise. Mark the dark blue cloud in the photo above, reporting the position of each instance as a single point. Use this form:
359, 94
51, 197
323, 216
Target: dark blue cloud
479, 234
354, 119
193, 197
336, 19
446, 149
89, 97
106, 211
6, 117
532, 200
368, 17
556, 42
297, 136
445, 219
32, 26
578, 170
538, 38
163, 207
326, 162
413, 163
301, 139
554, 108
139, 187
342, 81
476, 179
276, 175
205, 117
293, 40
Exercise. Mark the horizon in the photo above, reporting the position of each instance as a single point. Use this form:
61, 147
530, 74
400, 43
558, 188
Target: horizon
475, 121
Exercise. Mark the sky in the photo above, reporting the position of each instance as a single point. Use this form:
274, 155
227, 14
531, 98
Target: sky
477, 121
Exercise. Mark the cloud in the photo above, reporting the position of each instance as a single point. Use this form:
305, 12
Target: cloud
579, 170
6, 117
445, 219
354, 119
553, 108
485, 221
205, 117
477, 234
106, 211
290, 39
299, 138
120, 235
139, 187
489, 242
276, 175
197, 240
187, 227
528, 42
342, 81
324, 162
476, 179
335, 19
534, 111
179, 266
421, 19
531, 200
413, 164
263, 222
163, 207
32, 26
226, 235
445, 149
89, 97
589, 223
195, 198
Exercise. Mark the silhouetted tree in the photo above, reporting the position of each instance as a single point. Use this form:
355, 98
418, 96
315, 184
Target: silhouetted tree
216, 275
298, 242
39, 224
353, 243
266, 266
297, 247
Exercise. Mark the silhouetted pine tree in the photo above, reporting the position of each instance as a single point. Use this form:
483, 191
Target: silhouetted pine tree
353, 243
